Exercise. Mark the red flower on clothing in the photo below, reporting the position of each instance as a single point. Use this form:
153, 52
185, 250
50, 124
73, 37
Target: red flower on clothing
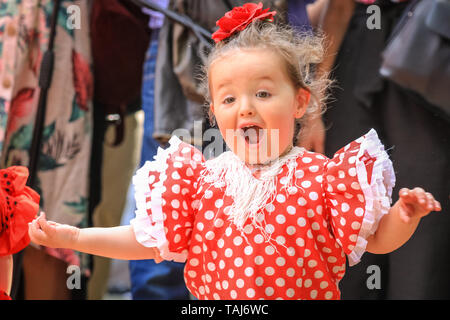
239, 18
19, 205
31, 39
21, 106
82, 79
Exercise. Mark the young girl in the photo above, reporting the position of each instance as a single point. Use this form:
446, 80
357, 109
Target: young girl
266, 220
19, 205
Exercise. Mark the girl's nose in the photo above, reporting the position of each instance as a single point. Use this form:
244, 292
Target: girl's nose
246, 109
246, 112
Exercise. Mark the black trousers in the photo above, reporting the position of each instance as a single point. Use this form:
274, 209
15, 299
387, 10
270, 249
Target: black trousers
417, 140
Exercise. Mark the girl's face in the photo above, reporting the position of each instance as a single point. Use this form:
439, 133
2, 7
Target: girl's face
255, 103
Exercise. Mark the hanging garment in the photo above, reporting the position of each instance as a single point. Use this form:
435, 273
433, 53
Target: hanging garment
120, 36
418, 143
120, 39
62, 177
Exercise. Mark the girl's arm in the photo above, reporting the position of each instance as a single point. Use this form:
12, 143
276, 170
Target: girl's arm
315, 12
115, 243
399, 224
333, 20
332, 17
6, 270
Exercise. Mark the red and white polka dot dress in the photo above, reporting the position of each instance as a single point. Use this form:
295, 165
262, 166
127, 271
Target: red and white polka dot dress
293, 246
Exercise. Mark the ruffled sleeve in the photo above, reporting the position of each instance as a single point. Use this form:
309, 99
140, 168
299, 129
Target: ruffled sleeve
165, 199
358, 183
19, 205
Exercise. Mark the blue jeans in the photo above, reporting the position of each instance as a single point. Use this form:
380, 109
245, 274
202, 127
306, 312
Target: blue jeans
149, 145
151, 281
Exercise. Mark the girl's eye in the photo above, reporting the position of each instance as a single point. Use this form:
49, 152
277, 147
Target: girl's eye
228, 100
263, 94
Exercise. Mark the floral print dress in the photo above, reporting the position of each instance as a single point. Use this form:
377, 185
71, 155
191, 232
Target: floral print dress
284, 235
62, 180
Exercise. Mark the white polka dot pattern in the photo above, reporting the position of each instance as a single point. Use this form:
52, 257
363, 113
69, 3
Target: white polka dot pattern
310, 230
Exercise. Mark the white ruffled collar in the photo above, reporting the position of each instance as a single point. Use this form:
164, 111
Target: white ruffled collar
250, 194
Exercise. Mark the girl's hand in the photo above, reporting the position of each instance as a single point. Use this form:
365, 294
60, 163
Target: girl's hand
52, 234
416, 203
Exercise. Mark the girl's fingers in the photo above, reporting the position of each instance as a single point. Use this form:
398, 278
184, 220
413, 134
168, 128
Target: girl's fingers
418, 190
36, 226
430, 201
406, 208
46, 227
409, 197
30, 229
42, 222
415, 196
41, 230
35, 232
405, 193
420, 196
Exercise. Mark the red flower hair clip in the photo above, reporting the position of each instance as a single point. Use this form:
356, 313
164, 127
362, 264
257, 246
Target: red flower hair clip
239, 18
19, 205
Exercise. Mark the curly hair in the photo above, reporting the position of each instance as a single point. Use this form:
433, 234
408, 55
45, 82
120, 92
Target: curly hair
301, 51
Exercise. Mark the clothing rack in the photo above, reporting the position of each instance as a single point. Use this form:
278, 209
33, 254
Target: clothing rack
202, 34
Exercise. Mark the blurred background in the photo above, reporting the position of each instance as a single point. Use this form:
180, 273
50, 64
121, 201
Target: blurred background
122, 76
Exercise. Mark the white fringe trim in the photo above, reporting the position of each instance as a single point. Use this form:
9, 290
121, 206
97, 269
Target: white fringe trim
250, 195
377, 195
149, 230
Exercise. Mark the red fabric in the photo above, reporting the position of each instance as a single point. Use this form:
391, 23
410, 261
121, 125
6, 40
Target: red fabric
82, 79
239, 18
19, 205
314, 224
120, 38
22, 106
4, 295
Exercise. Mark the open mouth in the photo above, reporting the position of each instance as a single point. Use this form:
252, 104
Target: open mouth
252, 134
